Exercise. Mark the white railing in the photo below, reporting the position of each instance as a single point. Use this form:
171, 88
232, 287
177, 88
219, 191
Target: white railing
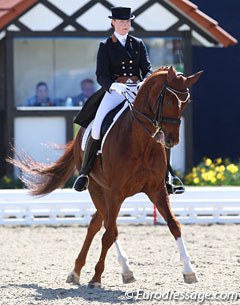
65, 207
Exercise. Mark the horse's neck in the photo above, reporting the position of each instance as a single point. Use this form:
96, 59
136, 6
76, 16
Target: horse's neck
142, 112
141, 102
133, 129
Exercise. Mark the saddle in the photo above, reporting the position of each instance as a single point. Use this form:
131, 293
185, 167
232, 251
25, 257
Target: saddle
107, 124
88, 112
108, 120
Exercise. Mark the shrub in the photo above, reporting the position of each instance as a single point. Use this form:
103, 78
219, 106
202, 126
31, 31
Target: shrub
10, 183
214, 172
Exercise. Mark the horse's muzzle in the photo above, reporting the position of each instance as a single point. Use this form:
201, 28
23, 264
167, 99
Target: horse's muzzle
170, 143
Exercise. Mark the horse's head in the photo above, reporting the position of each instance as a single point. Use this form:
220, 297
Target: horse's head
165, 95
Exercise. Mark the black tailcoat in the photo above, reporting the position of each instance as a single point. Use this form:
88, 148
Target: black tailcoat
114, 60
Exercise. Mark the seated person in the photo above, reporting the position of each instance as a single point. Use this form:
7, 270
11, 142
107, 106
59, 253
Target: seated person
87, 89
41, 97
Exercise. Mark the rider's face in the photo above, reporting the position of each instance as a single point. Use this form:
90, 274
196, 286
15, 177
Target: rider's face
122, 27
42, 92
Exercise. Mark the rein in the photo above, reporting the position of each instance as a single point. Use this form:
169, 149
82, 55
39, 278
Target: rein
156, 123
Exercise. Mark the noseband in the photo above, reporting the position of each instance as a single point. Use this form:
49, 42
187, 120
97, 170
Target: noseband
159, 119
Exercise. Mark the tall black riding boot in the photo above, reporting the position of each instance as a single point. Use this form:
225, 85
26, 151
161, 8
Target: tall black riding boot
91, 149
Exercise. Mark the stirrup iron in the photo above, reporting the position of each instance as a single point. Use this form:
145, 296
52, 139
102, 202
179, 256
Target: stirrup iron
175, 189
79, 185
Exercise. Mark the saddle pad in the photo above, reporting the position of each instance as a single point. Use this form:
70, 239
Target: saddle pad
89, 128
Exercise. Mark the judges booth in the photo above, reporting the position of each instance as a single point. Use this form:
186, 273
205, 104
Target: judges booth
55, 42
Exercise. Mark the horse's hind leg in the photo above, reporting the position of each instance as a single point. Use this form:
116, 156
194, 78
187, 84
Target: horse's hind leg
97, 194
94, 226
111, 211
161, 201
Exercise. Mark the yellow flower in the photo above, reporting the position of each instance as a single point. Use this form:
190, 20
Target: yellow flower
209, 176
220, 176
208, 162
194, 175
222, 168
219, 160
205, 176
232, 168
213, 179
6, 179
196, 180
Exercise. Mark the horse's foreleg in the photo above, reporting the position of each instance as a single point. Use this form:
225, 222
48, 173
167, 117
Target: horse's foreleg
94, 226
127, 274
161, 201
189, 273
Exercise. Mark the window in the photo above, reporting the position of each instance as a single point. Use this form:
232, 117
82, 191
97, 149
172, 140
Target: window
165, 52
62, 64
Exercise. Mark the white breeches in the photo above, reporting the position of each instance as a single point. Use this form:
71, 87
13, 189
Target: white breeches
109, 102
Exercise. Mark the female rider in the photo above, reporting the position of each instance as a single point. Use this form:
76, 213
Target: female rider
121, 60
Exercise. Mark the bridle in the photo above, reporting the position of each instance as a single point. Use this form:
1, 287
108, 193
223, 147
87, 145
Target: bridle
159, 119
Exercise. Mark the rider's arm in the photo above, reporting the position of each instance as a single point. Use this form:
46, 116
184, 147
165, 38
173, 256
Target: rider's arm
145, 64
103, 71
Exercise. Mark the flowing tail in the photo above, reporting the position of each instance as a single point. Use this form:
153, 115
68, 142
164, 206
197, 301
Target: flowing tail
42, 179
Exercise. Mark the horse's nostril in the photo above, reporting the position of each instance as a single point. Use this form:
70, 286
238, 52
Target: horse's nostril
168, 141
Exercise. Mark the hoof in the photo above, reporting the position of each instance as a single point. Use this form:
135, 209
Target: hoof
73, 278
94, 285
190, 278
128, 278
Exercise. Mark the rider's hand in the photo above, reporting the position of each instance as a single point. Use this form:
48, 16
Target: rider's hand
118, 87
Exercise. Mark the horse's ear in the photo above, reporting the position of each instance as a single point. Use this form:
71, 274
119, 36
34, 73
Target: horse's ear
171, 74
193, 78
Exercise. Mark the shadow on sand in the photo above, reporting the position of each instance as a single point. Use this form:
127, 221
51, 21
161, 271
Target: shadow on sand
103, 295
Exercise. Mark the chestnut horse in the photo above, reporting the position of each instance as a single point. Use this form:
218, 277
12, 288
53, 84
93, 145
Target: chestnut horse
133, 160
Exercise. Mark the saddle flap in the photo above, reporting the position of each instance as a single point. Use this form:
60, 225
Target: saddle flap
88, 111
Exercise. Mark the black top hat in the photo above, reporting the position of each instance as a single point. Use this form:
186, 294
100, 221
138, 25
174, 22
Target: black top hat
121, 13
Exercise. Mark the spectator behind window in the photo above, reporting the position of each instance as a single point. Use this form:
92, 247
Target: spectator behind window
87, 89
41, 98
